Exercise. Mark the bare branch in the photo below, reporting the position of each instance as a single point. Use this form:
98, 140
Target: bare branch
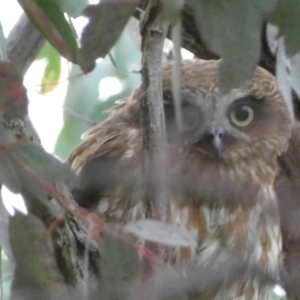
154, 29
24, 43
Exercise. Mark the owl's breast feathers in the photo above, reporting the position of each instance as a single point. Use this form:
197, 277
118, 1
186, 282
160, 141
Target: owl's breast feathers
228, 203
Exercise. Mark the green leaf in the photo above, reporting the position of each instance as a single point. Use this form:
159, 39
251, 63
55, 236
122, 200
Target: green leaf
3, 53
28, 168
36, 270
232, 29
119, 261
48, 17
172, 9
96, 39
159, 232
53, 68
73, 8
287, 18
41, 163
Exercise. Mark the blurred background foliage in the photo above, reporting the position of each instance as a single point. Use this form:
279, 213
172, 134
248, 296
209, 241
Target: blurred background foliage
84, 104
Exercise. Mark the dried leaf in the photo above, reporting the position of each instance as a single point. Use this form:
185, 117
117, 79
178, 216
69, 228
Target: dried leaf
159, 232
96, 39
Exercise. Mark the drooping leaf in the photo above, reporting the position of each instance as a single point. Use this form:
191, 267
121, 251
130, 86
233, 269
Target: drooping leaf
232, 29
159, 232
3, 53
119, 261
295, 73
106, 22
53, 68
50, 21
41, 163
172, 9
4, 234
13, 97
36, 270
28, 167
73, 8
8, 174
286, 17
272, 38
283, 77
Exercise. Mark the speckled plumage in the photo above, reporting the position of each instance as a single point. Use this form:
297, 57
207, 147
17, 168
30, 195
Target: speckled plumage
226, 198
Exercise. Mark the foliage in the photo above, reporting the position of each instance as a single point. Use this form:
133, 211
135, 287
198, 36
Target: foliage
230, 29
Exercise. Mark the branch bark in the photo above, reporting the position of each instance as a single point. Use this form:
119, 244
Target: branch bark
24, 43
69, 237
154, 28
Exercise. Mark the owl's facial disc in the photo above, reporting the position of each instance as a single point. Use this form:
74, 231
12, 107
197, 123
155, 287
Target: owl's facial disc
226, 126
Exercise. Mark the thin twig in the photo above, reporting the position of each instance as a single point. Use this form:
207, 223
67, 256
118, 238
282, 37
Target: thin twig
154, 28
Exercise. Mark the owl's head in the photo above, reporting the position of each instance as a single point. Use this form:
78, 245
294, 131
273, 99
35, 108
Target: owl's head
252, 120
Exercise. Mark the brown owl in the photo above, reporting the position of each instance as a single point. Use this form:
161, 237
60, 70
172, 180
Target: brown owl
223, 164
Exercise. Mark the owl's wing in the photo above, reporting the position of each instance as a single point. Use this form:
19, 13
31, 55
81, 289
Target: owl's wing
98, 160
287, 186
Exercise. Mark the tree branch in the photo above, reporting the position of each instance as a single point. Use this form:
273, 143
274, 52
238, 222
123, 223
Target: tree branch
154, 28
24, 43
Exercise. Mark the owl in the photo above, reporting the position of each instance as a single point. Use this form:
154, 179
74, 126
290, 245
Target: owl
221, 173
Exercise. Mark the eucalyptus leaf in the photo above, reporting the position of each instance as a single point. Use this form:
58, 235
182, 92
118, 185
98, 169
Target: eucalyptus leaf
159, 232
120, 261
295, 73
36, 271
52, 70
73, 8
172, 9
49, 19
96, 39
41, 163
3, 53
286, 17
29, 168
232, 29
283, 77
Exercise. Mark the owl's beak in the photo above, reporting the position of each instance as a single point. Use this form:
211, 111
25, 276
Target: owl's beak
211, 141
215, 135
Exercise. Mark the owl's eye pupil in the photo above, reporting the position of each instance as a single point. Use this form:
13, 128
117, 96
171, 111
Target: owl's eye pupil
242, 116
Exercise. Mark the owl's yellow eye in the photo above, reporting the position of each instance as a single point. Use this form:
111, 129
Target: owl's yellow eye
242, 116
